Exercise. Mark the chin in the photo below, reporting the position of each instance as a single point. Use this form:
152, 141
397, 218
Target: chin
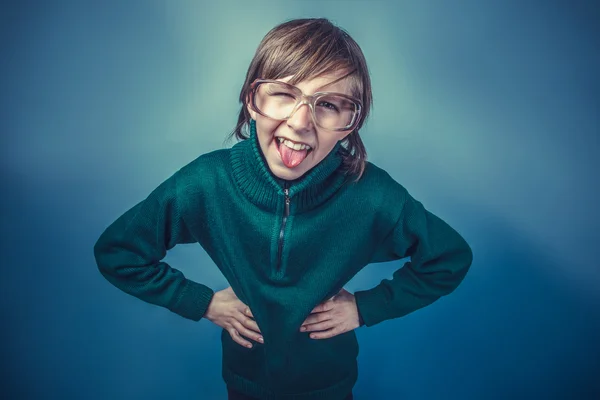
283, 172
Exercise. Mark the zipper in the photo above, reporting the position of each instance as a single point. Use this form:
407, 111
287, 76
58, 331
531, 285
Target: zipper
286, 213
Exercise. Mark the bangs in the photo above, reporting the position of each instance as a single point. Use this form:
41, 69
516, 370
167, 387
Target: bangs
310, 51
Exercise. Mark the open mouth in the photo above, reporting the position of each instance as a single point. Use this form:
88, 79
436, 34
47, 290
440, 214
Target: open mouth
279, 143
292, 157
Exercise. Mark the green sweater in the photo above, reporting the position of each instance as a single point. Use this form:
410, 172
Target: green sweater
284, 247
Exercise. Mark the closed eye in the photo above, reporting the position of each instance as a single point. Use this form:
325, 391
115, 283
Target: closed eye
281, 94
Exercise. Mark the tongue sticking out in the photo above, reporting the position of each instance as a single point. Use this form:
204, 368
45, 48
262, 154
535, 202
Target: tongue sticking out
290, 157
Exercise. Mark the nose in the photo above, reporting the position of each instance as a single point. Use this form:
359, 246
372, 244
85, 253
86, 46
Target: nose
301, 118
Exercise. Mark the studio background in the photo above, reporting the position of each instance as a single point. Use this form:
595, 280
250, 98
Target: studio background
487, 112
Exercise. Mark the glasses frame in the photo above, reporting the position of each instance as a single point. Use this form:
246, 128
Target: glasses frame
307, 99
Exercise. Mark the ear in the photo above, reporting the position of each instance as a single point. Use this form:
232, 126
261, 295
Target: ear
249, 108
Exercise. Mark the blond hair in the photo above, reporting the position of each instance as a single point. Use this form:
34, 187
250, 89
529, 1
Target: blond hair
307, 48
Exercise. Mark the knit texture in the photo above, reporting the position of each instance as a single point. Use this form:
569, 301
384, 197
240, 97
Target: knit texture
230, 203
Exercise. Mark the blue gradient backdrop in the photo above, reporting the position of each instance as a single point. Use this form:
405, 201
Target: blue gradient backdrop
487, 111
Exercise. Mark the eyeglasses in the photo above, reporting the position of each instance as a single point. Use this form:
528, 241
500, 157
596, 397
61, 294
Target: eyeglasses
280, 100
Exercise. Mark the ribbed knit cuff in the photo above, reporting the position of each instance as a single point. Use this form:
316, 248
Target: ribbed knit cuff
372, 305
193, 301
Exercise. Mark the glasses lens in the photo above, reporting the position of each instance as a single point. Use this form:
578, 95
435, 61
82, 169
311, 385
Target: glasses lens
335, 112
278, 101
275, 100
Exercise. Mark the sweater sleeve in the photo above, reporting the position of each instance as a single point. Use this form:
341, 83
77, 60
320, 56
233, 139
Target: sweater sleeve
439, 261
129, 253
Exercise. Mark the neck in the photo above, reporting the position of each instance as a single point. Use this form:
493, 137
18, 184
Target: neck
255, 179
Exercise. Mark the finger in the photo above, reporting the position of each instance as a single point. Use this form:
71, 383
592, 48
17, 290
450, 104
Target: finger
317, 317
325, 334
257, 337
321, 326
250, 324
325, 306
235, 335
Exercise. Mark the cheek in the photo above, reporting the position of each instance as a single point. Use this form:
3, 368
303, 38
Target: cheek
326, 143
267, 128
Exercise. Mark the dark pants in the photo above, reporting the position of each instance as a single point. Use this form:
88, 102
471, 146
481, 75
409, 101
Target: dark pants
233, 395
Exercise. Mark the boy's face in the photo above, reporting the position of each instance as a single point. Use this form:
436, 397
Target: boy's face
300, 128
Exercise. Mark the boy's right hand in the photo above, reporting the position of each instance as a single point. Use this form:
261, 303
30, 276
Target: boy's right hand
227, 311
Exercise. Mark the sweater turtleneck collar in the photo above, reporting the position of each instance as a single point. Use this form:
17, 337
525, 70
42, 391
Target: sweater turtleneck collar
255, 179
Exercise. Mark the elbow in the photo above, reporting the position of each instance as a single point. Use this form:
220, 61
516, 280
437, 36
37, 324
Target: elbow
109, 261
467, 258
121, 263
463, 264
101, 255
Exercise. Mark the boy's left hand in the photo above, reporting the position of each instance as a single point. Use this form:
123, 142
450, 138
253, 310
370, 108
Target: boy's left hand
332, 317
